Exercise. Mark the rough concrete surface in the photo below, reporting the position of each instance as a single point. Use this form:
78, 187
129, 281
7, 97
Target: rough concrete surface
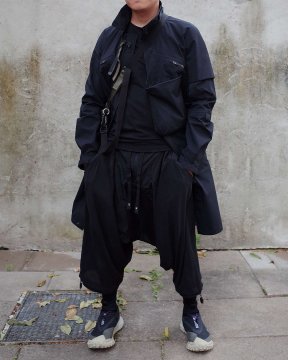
44, 57
247, 324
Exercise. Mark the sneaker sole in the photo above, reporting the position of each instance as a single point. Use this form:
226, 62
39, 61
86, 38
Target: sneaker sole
198, 344
100, 342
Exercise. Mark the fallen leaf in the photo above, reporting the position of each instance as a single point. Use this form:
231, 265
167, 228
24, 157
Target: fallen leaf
77, 269
76, 318
60, 300
142, 251
97, 304
41, 283
255, 255
22, 322
72, 306
66, 329
145, 277
89, 325
52, 275
121, 301
43, 303
129, 270
70, 313
166, 334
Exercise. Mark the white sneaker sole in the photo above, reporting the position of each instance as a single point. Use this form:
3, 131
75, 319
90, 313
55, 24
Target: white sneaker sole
198, 344
100, 342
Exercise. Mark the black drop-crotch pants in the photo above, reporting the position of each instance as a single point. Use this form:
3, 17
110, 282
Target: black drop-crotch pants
138, 196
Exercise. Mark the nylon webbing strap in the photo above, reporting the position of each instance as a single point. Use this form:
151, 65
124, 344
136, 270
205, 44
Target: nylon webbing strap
104, 146
120, 80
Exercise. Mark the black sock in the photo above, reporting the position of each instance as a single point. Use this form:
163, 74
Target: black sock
190, 305
109, 301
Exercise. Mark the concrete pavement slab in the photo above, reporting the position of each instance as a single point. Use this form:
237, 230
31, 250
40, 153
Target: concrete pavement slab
258, 260
14, 282
6, 308
257, 348
52, 261
230, 284
121, 351
270, 271
145, 321
9, 352
275, 283
65, 280
223, 260
279, 257
12, 260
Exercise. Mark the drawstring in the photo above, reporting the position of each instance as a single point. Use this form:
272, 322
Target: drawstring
138, 185
136, 207
129, 203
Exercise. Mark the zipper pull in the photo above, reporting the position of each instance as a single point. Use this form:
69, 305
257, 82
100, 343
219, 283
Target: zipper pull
201, 299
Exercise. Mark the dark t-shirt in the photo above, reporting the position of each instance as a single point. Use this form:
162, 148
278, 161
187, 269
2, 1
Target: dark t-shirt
137, 133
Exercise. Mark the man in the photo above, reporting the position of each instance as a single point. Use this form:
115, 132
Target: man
156, 184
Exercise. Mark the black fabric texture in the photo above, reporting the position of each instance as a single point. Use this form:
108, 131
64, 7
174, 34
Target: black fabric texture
162, 191
109, 301
190, 305
138, 132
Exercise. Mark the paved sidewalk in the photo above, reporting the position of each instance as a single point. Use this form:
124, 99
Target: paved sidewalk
245, 306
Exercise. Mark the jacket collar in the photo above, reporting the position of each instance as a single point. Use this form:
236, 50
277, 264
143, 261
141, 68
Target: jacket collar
123, 19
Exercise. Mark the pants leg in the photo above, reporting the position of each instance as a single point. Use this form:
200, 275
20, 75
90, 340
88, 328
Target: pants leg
166, 216
103, 256
175, 226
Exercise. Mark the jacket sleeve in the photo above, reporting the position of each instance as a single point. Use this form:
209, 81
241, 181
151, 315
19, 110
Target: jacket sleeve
199, 97
89, 119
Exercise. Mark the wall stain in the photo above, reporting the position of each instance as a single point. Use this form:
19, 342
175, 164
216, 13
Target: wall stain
7, 85
247, 68
20, 91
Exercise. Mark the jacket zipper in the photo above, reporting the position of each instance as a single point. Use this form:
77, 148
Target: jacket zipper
176, 63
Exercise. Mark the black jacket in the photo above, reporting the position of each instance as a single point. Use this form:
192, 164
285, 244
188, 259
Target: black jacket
181, 93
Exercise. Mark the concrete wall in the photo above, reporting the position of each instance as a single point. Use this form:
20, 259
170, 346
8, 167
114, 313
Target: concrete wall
45, 48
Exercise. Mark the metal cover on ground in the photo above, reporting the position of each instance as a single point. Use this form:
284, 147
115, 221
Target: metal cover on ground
50, 316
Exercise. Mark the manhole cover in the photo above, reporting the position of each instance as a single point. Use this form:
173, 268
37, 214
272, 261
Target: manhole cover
49, 317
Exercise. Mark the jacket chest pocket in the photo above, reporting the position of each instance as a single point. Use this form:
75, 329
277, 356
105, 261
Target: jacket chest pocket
161, 68
105, 64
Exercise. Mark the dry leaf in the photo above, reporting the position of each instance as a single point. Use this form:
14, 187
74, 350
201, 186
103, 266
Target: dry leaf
41, 283
166, 334
22, 322
76, 318
43, 303
60, 300
72, 306
145, 277
52, 275
77, 269
255, 255
66, 329
70, 313
85, 304
89, 325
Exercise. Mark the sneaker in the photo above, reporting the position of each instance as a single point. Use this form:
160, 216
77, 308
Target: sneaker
108, 324
198, 337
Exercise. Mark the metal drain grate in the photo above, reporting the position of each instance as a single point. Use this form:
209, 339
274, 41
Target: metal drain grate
50, 317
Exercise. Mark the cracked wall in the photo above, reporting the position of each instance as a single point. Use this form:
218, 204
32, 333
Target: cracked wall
44, 58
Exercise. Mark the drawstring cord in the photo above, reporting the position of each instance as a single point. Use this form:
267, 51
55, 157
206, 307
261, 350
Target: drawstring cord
138, 185
136, 207
129, 203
